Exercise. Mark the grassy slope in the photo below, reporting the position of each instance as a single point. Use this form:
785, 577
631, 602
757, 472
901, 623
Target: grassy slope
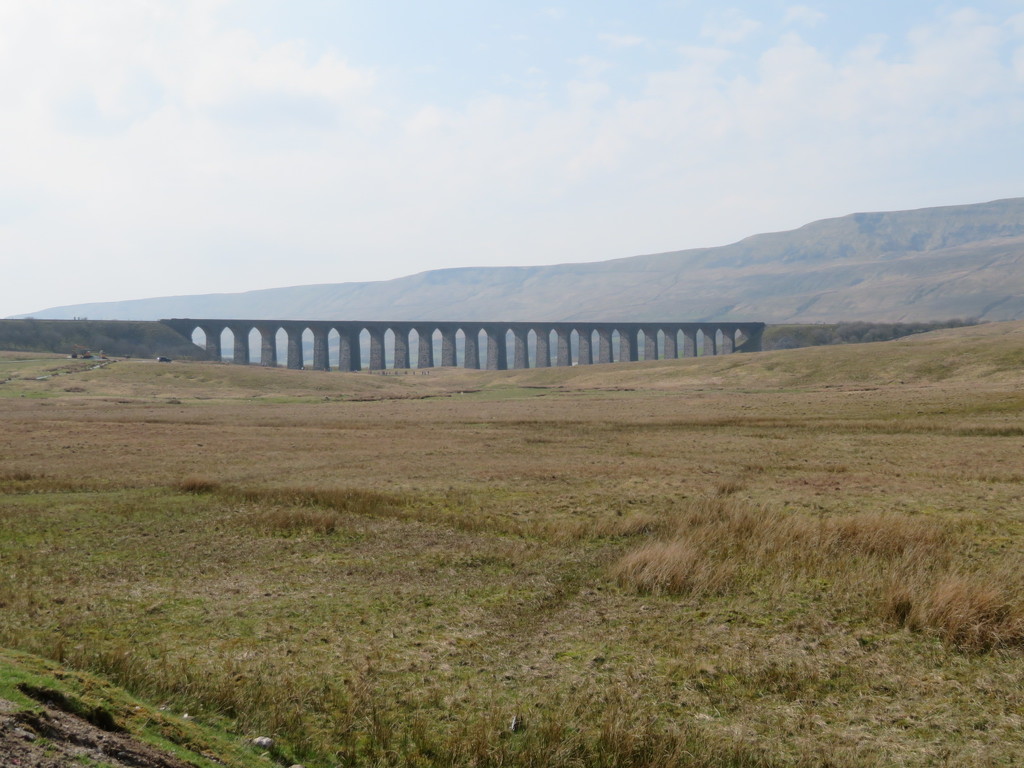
94, 698
392, 568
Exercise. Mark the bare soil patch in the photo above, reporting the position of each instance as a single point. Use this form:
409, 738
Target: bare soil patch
52, 738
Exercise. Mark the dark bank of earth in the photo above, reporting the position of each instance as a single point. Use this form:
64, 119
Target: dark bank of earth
51, 738
52, 716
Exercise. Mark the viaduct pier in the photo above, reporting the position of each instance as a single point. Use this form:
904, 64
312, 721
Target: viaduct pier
344, 345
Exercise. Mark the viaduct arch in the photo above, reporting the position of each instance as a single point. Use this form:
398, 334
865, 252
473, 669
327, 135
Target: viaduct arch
489, 345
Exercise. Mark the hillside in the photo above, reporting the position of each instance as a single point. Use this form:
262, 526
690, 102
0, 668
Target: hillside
928, 264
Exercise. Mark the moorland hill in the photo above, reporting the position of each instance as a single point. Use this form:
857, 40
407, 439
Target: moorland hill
928, 264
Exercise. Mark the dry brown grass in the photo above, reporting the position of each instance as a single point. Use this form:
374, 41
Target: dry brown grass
716, 544
973, 612
770, 559
343, 500
676, 567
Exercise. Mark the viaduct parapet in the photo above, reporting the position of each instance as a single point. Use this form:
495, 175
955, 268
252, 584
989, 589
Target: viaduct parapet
352, 345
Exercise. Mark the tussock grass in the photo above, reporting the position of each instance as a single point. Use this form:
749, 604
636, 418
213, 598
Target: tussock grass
676, 567
605, 526
356, 501
973, 612
322, 511
25, 481
728, 487
16, 477
289, 510
720, 546
889, 536
764, 535
289, 520
319, 713
716, 544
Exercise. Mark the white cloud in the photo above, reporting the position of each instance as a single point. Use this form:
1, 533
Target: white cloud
729, 27
592, 66
1016, 24
238, 64
154, 151
804, 15
621, 41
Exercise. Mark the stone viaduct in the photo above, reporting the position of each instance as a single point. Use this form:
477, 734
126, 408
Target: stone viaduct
491, 345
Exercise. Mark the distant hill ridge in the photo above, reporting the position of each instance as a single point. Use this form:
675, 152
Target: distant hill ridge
927, 264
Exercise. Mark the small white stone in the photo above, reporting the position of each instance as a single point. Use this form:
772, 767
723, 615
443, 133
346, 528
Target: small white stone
264, 742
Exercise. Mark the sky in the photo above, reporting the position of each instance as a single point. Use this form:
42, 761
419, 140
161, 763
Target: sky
155, 148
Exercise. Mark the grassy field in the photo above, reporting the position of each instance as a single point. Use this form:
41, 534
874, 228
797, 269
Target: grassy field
810, 557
